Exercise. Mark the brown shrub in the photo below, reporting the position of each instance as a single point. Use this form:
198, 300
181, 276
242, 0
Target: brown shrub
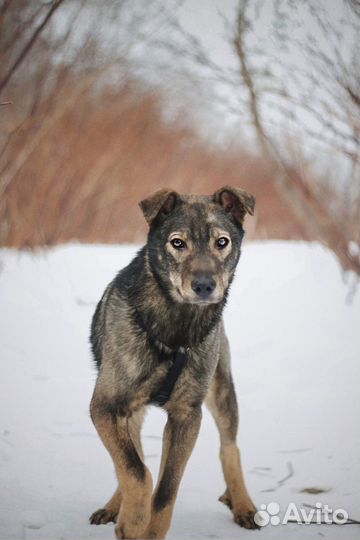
77, 168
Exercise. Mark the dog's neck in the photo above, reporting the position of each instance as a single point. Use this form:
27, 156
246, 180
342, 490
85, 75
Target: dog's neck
165, 321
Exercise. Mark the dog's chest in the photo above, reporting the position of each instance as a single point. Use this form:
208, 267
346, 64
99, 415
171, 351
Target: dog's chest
163, 379
179, 378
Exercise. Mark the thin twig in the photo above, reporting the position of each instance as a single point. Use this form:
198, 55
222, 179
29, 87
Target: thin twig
282, 481
26, 49
349, 519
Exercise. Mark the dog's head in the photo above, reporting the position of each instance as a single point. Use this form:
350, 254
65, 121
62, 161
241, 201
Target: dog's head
194, 241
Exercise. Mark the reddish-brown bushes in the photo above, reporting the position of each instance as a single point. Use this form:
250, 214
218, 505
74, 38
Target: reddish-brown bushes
77, 169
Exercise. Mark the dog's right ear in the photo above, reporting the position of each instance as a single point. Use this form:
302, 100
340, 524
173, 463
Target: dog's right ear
159, 204
235, 201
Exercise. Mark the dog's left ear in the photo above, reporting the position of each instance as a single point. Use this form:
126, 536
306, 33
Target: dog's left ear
235, 201
159, 204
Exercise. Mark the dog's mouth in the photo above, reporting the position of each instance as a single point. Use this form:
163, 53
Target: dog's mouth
200, 302
203, 302
199, 289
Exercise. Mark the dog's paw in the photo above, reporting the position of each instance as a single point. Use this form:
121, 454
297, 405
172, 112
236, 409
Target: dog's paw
246, 519
103, 516
243, 517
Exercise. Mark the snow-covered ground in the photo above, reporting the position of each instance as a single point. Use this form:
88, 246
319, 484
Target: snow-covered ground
296, 356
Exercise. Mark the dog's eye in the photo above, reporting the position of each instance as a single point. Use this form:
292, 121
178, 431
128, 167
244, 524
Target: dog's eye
177, 243
222, 242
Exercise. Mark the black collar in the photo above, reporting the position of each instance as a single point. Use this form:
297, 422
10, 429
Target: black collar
178, 359
164, 393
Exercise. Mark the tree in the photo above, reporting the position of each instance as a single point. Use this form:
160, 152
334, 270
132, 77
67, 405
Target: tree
341, 124
305, 114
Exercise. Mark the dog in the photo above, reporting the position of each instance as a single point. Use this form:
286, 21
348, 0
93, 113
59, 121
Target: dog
158, 337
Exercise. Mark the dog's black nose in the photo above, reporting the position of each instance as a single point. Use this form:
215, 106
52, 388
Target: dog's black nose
203, 286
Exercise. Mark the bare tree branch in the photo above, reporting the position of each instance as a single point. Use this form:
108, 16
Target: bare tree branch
302, 199
28, 46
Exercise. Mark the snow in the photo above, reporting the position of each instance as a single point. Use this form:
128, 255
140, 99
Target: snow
295, 349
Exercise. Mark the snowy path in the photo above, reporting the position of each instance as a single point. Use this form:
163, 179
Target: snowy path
296, 363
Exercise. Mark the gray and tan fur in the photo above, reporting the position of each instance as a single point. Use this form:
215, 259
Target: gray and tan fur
169, 298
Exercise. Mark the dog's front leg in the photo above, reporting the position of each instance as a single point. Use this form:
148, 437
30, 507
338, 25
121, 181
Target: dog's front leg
180, 434
135, 478
222, 403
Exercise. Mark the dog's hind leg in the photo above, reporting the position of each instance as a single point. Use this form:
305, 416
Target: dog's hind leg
111, 509
134, 499
221, 401
180, 434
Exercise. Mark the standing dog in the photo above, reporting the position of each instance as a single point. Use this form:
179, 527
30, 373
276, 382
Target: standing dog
158, 338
